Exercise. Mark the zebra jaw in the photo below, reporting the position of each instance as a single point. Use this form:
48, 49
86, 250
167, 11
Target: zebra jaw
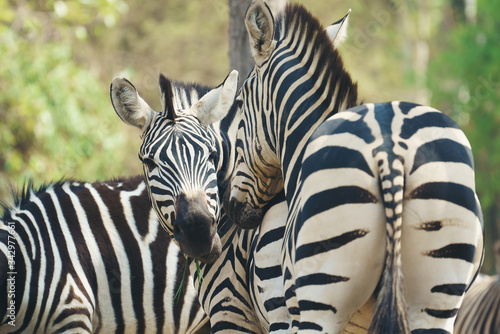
209, 257
242, 213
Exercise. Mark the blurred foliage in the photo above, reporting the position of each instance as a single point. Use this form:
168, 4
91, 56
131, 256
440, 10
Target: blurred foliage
55, 117
464, 78
58, 58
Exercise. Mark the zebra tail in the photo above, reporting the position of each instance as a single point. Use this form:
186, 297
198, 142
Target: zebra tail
391, 315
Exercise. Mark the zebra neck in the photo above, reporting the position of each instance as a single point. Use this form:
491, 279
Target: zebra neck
303, 83
301, 114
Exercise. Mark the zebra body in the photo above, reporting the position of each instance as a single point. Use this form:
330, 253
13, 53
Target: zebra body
374, 193
243, 280
92, 258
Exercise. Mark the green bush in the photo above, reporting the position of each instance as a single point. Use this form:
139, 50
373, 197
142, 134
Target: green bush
56, 119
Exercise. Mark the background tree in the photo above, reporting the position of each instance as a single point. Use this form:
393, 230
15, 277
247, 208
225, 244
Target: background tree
464, 79
240, 58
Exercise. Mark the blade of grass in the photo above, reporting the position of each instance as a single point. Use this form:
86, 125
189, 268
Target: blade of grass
178, 293
198, 272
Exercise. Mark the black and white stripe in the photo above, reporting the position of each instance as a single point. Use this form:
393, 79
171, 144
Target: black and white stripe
92, 258
375, 193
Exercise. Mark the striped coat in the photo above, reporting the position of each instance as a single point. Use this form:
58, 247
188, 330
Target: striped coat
78, 257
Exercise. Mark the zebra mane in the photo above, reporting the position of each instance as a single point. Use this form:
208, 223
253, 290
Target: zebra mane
297, 23
181, 100
20, 197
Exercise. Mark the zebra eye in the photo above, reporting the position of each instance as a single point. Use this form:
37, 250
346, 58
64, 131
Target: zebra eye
150, 164
239, 102
212, 156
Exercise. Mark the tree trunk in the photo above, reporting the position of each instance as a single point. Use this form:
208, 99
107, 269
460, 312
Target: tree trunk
240, 57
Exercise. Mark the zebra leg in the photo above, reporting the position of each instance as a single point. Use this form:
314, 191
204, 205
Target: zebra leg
439, 261
265, 275
339, 245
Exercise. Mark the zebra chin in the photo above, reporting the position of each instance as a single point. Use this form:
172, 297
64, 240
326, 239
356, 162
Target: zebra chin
206, 257
242, 213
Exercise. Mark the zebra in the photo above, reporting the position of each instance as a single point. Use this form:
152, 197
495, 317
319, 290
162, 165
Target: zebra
351, 179
480, 310
79, 257
178, 143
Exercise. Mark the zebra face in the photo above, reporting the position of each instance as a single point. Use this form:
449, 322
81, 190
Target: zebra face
257, 177
179, 160
180, 153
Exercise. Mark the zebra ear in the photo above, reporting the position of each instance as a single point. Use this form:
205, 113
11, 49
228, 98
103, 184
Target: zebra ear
260, 26
128, 105
338, 31
215, 104
167, 98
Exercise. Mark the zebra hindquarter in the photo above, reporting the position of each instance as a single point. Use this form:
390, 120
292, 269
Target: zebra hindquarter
442, 242
339, 232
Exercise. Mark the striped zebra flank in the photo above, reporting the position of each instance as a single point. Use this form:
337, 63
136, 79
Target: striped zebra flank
381, 197
480, 310
79, 257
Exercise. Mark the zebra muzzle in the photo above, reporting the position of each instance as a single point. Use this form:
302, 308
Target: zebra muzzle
243, 214
195, 228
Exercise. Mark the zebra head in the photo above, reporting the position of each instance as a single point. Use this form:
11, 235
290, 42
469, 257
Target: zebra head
180, 155
258, 176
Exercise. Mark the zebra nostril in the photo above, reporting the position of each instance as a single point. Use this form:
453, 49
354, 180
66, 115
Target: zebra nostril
178, 234
232, 206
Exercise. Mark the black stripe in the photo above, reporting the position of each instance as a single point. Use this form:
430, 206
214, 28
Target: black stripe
333, 197
73, 325
269, 237
331, 157
268, 272
442, 314
448, 191
405, 107
319, 279
452, 289
431, 119
310, 326
68, 312
278, 326
454, 251
307, 305
226, 325
358, 128
274, 303
430, 331
323, 246
442, 150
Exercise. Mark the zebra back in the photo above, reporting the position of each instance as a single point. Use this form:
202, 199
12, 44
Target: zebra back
92, 257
